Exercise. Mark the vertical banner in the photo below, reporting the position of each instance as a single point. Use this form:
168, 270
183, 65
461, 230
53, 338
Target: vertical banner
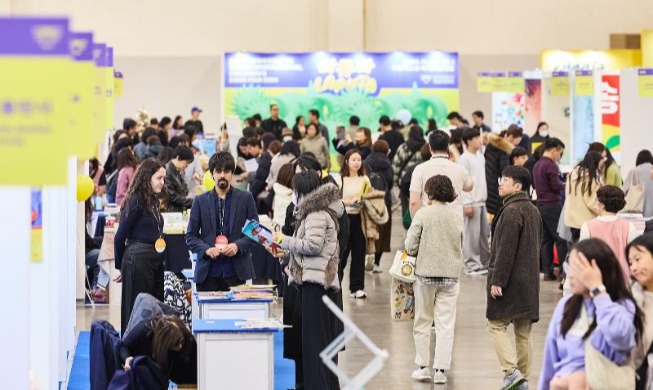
610, 112
499, 83
34, 117
484, 82
118, 84
533, 105
645, 82
507, 109
108, 89
81, 83
339, 85
515, 82
560, 84
36, 244
584, 83
99, 57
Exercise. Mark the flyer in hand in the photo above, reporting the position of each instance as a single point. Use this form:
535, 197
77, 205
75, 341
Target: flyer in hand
259, 233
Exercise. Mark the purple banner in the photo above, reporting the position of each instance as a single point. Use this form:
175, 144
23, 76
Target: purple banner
484, 74
33, 36
81, 46
515, 74
117, 75
583, 73
560, 74
99, 55
330, 71
645, 72
498, 74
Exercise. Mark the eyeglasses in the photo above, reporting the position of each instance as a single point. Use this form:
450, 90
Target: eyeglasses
503, 180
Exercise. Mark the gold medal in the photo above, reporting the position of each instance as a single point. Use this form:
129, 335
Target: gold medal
160, 245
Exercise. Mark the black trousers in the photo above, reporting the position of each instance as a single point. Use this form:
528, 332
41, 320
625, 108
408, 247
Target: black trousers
550, 218
142, 272
317, 333
357, 247
212, 283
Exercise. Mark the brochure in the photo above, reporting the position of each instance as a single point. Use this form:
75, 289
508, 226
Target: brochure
259, 233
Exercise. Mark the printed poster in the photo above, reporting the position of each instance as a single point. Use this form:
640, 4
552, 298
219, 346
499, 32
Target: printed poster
645, 82
610, 112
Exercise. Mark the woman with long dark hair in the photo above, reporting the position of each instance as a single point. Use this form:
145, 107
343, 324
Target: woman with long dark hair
582, 184
139, 243
354, 184
362, 142
610, 169
167, 341
313, 268
600, 319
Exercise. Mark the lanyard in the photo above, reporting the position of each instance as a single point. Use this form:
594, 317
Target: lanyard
221, 209
157, 216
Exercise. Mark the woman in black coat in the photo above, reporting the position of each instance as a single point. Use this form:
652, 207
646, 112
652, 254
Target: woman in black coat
378, 163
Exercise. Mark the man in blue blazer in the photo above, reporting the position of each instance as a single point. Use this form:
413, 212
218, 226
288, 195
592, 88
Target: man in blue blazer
214, 230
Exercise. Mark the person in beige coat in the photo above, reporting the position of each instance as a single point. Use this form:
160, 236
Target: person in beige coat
580, 193
435, 238
315, 143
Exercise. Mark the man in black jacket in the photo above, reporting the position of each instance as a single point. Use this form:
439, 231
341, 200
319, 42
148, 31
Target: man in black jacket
176, 190
258, 182
393, 137
497, 158
195, 121
274, 124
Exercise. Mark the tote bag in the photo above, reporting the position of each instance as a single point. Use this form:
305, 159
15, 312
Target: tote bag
402, 301
403, 267
635, 195
601, 372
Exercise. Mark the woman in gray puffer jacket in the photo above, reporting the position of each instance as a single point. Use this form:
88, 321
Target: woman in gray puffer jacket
314, 258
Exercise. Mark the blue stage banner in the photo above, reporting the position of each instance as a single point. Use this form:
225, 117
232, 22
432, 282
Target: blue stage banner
336, 72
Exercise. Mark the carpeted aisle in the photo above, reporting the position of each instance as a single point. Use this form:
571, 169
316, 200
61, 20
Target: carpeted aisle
284, 370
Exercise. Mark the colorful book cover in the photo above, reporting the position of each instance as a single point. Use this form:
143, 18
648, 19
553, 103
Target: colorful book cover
259, 233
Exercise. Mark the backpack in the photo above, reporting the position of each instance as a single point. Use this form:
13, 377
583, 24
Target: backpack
378, 183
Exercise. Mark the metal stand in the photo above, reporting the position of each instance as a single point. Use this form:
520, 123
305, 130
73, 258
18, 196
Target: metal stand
352, 331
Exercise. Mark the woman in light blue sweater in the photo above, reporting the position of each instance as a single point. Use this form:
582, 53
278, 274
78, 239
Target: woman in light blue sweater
601, 318
435, 237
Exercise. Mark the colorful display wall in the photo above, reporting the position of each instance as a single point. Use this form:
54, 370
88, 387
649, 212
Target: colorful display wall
342, 84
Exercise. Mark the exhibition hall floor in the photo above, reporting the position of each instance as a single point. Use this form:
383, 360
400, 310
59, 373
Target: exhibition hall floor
475, 365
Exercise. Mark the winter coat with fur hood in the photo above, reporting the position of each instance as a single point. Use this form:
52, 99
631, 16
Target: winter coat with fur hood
497, 158
314, 249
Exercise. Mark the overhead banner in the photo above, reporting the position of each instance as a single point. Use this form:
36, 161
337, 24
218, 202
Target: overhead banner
560, 85
84, 143
584, 83
610, 112
35, 104
339, 85
484, 82
645, 82
515, 82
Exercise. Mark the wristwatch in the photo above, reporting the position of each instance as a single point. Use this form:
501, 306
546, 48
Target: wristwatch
598, 290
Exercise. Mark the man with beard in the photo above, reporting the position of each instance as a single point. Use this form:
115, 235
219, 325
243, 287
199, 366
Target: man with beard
214, 230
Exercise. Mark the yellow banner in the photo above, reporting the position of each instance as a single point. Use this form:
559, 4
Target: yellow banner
584, 83
499, 82
560, 85
645, 82
515, 82
118, 84
484, 82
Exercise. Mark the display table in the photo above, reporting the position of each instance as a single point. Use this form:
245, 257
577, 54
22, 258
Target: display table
217, 308
233, 358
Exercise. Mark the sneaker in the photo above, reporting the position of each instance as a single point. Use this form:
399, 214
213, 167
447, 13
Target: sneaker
360, 294
439, 378
377, 269
513, 381
480, 271
523, 386
369, 262
422, 374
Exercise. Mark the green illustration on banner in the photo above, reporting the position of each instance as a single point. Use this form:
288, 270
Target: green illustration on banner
340, 85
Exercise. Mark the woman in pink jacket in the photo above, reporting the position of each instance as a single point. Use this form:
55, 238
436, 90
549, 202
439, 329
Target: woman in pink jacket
126, 164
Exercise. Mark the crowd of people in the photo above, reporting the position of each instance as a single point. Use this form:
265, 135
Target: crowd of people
472, 200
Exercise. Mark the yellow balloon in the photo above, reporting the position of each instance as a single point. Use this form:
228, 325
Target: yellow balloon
85, 187
208, 182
